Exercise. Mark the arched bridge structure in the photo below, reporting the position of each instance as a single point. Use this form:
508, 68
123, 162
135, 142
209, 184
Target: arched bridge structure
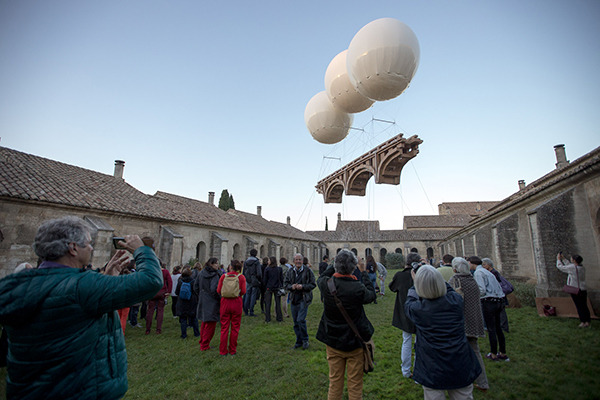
385, 162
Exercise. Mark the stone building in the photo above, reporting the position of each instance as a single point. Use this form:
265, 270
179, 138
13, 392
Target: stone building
523, 233
34, 189
365, 238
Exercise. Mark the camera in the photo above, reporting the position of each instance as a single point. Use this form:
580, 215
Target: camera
116, 240
416, 265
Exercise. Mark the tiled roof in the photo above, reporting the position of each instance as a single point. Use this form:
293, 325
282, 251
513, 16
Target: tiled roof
28, 177
472, 208
436, 221
368, 231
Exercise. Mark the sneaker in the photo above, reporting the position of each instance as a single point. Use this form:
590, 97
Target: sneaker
147, 331
503, 357
138, 326
304, 345
296, 346
491, 357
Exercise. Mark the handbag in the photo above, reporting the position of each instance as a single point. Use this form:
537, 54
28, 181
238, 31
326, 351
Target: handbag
572, 289
549, 311
280, 292
368, 347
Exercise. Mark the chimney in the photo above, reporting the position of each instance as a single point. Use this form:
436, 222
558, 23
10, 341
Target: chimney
521, 184
211, 198
289, 221
119, 166
339, 216
259, 211
561, 156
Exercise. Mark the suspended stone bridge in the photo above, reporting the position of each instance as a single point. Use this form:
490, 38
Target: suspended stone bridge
385, 162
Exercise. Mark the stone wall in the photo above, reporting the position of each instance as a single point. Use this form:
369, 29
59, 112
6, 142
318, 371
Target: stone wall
176, 243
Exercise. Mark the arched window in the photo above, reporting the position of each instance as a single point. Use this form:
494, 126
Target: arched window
382, 254
338, 250
262, 251
355, 252
368, 252
201, 252
398, 250
327, 252
414, 250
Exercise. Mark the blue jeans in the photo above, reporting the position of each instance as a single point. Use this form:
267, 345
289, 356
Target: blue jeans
406, 354
250, 300
189, 321
133, 315
299, 312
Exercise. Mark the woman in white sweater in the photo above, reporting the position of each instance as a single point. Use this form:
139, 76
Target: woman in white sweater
576, 279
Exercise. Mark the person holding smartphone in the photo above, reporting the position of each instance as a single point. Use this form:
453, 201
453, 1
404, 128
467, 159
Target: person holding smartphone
68, 314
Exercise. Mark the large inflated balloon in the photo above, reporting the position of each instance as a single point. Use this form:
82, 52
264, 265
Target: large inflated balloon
326, 123
382, 59
340, 90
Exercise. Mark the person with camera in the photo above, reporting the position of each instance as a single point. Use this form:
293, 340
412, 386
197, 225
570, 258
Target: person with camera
64, 333
401, 282
444, 360
576, 279
344, 349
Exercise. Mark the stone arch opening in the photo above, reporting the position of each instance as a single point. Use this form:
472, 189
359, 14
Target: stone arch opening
398, 250
382, 254
368, 252
237, 252
201, 252
355, 252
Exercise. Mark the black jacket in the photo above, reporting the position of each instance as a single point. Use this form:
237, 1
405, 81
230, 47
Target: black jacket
186, 308
253, 271
400, 284
333, 330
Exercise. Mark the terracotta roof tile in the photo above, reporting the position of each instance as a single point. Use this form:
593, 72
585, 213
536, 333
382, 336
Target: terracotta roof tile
30, 177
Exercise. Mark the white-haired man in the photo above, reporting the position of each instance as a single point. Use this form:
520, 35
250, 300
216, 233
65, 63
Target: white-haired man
300, 282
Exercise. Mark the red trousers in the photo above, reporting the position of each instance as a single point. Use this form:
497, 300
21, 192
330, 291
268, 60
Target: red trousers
207, 331
159, 305
123, 314
231, 314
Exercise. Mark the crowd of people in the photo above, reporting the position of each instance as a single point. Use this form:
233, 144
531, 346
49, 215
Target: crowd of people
442, 312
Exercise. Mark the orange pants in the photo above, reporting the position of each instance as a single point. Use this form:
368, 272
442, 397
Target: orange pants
123, 313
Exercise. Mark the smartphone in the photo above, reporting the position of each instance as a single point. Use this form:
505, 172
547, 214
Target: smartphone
116, 242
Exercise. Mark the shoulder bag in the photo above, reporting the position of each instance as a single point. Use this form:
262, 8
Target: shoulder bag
572, 289
368, 347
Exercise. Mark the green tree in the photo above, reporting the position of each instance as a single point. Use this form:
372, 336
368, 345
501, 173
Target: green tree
225, 200
231, 202
394, 261
326, 224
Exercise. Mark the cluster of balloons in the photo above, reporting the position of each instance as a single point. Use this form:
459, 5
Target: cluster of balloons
379, 64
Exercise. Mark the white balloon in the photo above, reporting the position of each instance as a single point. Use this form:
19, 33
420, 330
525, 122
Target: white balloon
340, 90
326, 123
382, 58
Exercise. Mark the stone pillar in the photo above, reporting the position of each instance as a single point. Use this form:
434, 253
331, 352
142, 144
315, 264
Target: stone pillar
561, 156
211, 198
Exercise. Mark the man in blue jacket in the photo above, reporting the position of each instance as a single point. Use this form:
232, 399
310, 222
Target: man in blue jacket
65, 338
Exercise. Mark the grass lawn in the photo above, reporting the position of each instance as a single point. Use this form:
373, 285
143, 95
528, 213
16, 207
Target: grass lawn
550, 359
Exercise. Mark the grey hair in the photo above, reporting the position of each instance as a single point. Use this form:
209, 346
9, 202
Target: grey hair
298, 254
488, 262
53, 237
412, 257
345, 262
429, 283
461, 266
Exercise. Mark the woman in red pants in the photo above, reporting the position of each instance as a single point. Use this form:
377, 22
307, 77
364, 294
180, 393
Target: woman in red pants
205, 286
232, 286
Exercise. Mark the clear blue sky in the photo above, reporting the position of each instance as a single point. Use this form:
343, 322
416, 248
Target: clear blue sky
203, 96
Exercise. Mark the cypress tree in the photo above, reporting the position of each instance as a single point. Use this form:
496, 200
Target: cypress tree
231, 202
224, 201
